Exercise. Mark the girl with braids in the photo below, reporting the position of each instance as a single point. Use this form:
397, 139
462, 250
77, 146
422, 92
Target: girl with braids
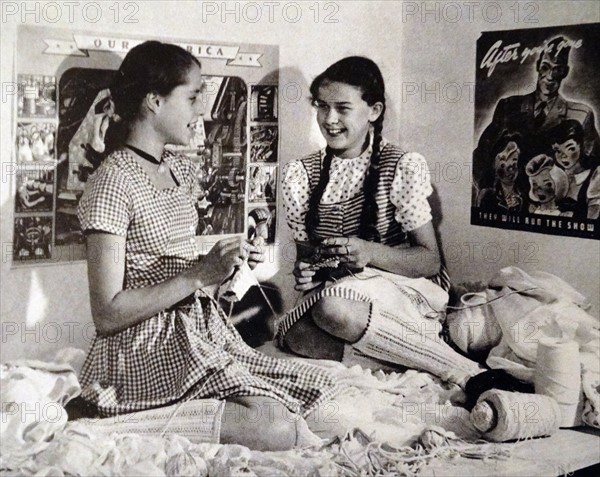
361, 204
161, 338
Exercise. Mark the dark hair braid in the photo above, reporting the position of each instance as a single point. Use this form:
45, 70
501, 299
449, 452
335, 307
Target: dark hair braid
362, 73
312, 214
368, 218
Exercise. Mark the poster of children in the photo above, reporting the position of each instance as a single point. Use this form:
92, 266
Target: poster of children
536, 162
35, 142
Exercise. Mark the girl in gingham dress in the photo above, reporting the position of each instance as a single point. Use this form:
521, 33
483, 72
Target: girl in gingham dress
362, 203
160, 338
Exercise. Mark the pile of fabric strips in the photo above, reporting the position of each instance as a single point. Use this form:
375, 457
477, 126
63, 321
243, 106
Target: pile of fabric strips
406, 420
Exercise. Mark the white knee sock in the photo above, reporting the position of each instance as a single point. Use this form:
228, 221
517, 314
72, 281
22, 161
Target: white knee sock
199, 420
352, 357
401, 337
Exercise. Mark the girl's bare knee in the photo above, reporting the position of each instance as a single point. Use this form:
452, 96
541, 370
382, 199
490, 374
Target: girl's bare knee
258, 423
328, 313
281, 430
346, 319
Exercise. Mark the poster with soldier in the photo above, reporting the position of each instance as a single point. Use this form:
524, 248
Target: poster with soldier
536, 162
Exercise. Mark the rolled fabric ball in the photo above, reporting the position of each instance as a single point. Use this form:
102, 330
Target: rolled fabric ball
504, 416
484, 417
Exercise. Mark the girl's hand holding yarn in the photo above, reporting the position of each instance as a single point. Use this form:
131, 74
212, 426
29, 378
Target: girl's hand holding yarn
227, 254
255, 252
355, 253
304, 273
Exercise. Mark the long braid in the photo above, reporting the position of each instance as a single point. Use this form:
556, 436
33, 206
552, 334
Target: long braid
312, 214
364, 74
368, 218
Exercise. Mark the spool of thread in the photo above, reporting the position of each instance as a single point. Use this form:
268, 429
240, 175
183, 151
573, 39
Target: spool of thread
558, 375
504, 416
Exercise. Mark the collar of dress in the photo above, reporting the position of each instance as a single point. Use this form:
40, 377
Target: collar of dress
579, 177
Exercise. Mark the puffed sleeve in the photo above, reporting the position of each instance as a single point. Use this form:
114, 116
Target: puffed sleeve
410, 189
593, 192
296, 196
106, 203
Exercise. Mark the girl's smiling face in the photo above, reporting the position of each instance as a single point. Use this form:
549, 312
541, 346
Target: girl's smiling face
567, 154
542, 187
181, 109
344, 117
505, 163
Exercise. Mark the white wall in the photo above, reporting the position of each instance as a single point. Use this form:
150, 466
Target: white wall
437, 54
407, 48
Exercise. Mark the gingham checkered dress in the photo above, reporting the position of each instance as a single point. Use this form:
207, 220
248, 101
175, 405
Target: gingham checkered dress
189, 351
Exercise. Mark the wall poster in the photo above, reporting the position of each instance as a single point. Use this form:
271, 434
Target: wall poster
62, 87
536, 163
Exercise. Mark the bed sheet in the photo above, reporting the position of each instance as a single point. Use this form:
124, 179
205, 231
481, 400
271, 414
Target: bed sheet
376, 426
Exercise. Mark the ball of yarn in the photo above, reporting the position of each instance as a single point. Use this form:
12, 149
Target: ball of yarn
503, 416
232, 459
484, 417
186, 464
558, 375
435, 436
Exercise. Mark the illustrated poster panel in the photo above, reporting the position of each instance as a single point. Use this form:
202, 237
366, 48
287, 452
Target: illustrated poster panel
35, 189
63, 111
536, 162
219, 147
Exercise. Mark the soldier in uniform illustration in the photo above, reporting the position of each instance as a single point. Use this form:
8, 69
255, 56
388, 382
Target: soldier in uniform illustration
534, 114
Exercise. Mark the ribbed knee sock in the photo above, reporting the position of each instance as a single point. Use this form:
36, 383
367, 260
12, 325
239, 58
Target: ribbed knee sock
197, 420
352, 357
398, 337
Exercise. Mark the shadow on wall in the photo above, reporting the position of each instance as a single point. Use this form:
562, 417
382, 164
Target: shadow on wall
437, 219
296, 140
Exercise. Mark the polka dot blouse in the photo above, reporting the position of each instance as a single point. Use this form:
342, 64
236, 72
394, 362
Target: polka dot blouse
410, 188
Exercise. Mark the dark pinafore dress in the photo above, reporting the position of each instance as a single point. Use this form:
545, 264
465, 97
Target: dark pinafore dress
343, 219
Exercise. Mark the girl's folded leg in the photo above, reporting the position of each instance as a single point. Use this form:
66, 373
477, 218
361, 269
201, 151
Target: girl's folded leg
259, 423
306, 339
394, 336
